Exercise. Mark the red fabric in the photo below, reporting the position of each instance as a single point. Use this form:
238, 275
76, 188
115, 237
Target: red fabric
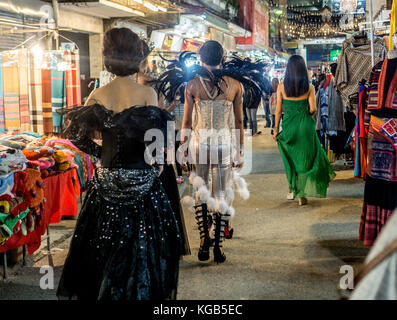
373, 219
61, 192
327, 81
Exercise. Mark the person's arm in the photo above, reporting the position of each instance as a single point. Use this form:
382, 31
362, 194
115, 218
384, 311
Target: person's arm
279, 111
161, 101
188, 113
172, 106
312, 100
238, 120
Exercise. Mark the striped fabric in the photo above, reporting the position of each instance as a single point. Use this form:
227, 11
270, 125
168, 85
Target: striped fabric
2, 120
46, 100
73, 81
11, 90
35, 92
24, 90
58, 97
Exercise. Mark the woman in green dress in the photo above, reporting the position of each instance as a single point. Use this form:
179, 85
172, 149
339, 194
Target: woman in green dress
306, 164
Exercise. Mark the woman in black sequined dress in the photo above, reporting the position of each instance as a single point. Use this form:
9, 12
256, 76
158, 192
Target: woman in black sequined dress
127, 242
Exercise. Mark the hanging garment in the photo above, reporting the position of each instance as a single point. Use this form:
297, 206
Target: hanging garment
382, 149
355, 64
24, 90
36, 94
381, 182
383, 86
2, 120
73, 81
58, 98
306, 164
361, 136
11, 90
46, 98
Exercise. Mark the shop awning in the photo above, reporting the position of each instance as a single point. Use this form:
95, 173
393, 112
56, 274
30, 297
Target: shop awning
102, 8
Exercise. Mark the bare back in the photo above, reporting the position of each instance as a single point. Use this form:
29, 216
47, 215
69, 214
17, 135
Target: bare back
123, 93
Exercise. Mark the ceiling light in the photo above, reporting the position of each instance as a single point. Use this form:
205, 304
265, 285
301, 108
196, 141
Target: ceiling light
162, 9
151, 6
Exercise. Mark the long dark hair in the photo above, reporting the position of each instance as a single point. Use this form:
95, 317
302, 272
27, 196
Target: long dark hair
296, 81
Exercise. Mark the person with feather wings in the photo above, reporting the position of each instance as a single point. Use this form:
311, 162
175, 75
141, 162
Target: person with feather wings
212, 135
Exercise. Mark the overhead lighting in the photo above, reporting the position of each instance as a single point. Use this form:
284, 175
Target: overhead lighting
150, 6
121, 7
162, 9
138, 1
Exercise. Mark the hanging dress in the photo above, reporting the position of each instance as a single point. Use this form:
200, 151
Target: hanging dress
306, 164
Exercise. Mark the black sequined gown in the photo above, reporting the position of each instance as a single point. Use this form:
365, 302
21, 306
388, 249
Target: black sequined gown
127, 241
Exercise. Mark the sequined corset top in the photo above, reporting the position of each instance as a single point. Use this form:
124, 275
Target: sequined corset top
121, 152
213, 121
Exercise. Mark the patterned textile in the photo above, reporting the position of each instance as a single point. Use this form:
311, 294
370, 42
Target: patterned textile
36, 93
2, 120
355, 65
11, 90
377, 85
24, 90
46, 99
73, 81
58, 97
382, 149
361, 135
373, 219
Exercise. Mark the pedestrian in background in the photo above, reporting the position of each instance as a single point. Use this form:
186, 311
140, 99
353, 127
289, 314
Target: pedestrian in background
306, 164
266, 106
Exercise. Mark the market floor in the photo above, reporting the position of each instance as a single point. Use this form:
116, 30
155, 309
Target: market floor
279, 250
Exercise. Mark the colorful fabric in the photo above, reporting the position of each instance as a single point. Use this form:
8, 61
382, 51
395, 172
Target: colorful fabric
36, 94
24, 90
377, 87
361, 135
73, 81
11, 90
2, 120
11, 160
61, 192
373, 219
46, 101
382, 149
58, 97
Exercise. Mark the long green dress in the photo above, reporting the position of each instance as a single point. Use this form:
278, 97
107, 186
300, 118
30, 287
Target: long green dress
306, 164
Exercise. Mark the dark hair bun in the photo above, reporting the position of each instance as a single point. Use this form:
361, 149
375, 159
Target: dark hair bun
123, 51
211, 53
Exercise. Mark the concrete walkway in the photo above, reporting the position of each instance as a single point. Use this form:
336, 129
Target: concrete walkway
279, 250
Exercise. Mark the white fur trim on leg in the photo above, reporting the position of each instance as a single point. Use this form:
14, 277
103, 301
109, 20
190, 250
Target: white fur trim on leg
198, 182
203, 194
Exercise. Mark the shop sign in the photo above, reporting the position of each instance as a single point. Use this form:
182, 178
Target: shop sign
254, 17
348, 6
189, 45
290, 45
167, 44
